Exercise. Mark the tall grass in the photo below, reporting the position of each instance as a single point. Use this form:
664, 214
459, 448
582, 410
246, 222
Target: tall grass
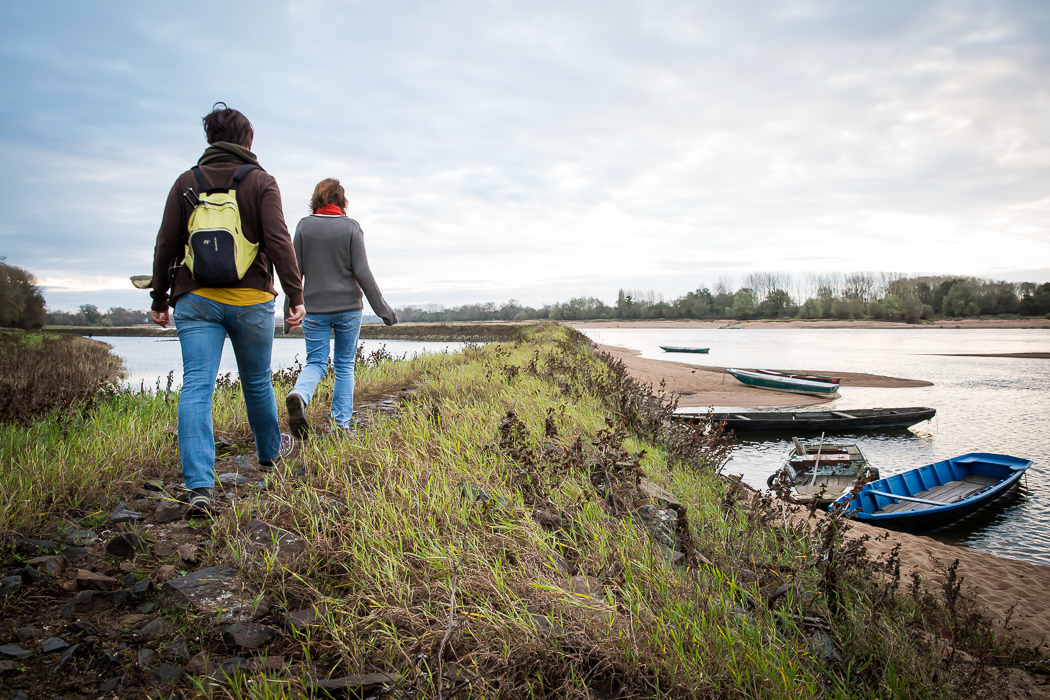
462, 594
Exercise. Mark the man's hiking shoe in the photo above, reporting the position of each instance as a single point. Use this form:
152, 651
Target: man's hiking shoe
298, 423
201, 505
287, 446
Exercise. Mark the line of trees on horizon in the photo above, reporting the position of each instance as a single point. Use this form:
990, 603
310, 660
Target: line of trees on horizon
777, 295
763, 295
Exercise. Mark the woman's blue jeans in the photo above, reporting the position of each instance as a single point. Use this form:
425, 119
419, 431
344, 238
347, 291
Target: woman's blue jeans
318, 328
202, 326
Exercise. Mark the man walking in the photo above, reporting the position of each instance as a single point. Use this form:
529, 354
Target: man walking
210, 306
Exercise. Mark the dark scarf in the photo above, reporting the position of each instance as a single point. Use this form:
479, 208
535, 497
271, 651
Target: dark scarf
225, 152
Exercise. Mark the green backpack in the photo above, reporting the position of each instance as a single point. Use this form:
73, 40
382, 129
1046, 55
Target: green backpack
217, 253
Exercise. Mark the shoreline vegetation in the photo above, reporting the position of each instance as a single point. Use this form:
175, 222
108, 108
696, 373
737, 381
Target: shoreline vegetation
518, 519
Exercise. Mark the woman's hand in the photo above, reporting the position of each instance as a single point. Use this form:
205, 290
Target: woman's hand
161, 318
296, 317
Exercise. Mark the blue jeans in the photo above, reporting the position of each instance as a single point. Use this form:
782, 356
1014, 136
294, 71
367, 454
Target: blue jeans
202, 326
317, 328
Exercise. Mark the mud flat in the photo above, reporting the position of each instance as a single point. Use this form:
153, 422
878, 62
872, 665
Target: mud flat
711, 386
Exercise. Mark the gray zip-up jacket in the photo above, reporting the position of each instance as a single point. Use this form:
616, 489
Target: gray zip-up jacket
331, 255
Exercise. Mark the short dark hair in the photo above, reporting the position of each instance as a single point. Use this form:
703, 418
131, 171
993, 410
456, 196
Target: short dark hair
225, 124
328, 191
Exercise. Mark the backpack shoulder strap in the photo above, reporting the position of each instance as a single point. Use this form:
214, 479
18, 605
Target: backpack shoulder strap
241, 174
200, 178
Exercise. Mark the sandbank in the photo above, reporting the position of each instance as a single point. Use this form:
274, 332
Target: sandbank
702, 386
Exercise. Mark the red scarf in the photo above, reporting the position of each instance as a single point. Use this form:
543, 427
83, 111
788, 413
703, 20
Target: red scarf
329, 210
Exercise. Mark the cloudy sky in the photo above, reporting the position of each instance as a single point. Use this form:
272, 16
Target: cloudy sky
542, 150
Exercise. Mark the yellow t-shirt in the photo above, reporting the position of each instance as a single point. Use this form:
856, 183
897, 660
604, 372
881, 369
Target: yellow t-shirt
241, 296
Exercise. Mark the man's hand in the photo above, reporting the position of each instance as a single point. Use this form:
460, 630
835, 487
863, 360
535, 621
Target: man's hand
161, 318
296, 318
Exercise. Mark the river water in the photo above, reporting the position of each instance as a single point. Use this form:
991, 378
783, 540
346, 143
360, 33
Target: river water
984, 404
149, 360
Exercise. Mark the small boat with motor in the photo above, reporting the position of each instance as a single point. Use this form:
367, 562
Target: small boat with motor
935, 495
791, 385
815, 422
821, 472
683, 348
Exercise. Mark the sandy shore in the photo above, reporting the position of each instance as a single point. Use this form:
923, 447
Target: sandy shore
1011, 593
997, 323
1027, 355
701, 387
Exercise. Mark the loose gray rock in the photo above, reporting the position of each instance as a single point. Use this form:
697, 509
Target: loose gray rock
200, 664
110, 685
160, 627
233, 479
303, 619
147, 607
140, 589
176, 650
28, 634
155, 485
657, 493
127, 545
78, 536
90, 580
15, 651
166, 673
146, 657
660, 524
248, 636
213, 589
84, 627
91, 602
824, 644
19, 695
123, 514
241, 463
188, 553
168, 512
288, 544
355, 684
65, 658
10, 586
53, 644
50, 565
30, 575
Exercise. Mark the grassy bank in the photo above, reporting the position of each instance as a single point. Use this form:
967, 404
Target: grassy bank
511, 532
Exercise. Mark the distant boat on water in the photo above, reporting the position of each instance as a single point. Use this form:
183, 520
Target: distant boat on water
682, 348
936, 495
760, 380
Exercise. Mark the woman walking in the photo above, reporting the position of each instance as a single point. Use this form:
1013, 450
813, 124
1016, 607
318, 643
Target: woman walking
330, 248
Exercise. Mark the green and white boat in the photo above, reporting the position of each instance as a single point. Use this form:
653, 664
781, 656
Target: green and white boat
682, 348
791, 385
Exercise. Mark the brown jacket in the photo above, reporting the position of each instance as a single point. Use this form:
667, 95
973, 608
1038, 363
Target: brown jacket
262, 216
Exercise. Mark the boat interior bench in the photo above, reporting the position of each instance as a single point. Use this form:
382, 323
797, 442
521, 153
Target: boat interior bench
943, 495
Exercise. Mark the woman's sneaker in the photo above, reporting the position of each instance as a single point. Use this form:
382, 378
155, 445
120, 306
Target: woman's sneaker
201, 505
287, 447
298, 423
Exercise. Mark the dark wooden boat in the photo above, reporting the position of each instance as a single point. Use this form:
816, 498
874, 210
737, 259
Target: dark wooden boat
682, 348
803, 422
821, 472
936, 495
808, 377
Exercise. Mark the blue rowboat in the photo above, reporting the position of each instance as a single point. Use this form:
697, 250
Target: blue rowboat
791, 385
936, 495
682, 348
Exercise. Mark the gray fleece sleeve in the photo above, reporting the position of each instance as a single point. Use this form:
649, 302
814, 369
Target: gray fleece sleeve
359, 261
